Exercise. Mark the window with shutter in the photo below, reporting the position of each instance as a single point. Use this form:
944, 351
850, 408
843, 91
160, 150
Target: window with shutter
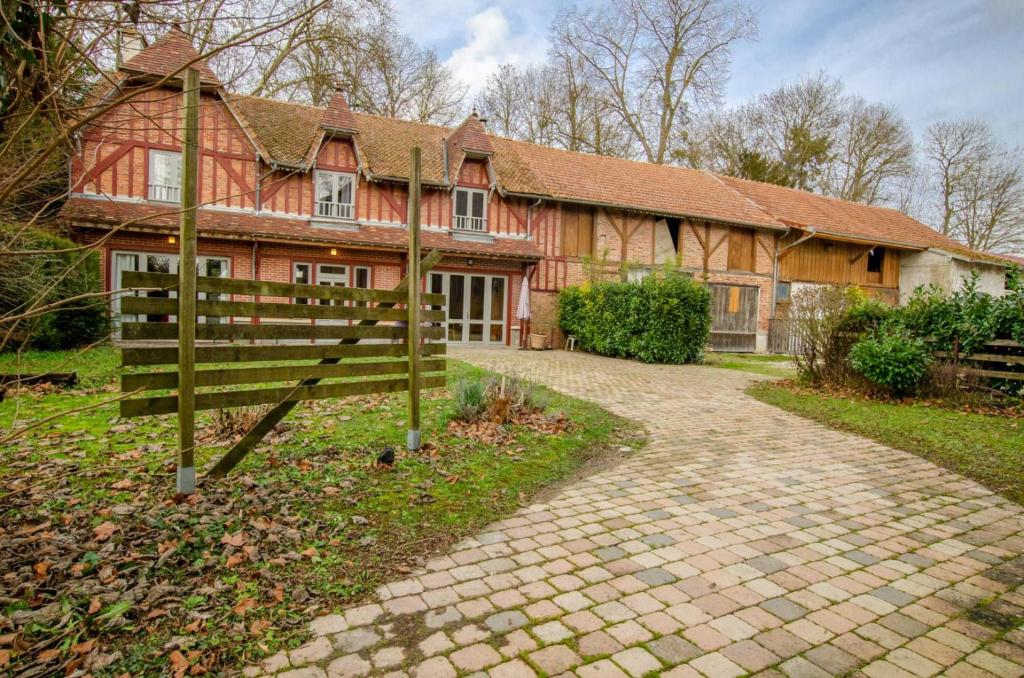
741, 249
577, 231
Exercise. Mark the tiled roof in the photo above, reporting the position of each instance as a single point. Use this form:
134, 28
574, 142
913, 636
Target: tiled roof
169, 55
211, 222
473, 137
385, 144
338, 115
603, 180
842, 218
289, 132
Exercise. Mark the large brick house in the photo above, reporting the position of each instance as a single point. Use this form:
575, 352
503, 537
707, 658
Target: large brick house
290, 192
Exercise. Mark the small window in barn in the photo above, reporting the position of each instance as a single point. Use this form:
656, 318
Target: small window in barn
675, 230
577, 231
470, 209
335, 194
165, 176
875, 258
741, 249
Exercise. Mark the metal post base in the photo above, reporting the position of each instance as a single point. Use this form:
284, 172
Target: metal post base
186, 479
412, 440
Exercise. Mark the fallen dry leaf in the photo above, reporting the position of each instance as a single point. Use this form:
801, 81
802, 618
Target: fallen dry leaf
41, 568
95, 605
84, 647
105, 530
244, 606
237, 539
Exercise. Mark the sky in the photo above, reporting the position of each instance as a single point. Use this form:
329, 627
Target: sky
932, 59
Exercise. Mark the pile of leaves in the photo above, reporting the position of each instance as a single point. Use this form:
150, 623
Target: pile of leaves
80, 579
502, 434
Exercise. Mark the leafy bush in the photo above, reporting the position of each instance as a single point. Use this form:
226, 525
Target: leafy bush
48, 278
660, 319
891, 359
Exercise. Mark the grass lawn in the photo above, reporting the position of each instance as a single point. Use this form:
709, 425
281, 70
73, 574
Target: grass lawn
987, 448
103, 569
759, 363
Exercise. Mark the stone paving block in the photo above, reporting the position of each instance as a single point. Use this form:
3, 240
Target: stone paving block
348, 666
718, 665
504, 622
554, 659
475, 657
603, 668
436, 667
673, 650
636, 661
598, 643
821, 549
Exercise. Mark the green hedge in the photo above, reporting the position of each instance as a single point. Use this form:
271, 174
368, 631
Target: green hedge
657, 320
52, 276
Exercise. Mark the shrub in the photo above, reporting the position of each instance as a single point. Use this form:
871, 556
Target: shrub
468, 395
660, 319
497, 399
891, 359
48, 278
821, 315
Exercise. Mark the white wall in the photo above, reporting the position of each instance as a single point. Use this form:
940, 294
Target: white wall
935, 268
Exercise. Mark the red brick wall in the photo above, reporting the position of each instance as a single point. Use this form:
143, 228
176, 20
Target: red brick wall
114, 155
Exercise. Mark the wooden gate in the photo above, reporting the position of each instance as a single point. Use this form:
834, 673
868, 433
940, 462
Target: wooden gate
734, 317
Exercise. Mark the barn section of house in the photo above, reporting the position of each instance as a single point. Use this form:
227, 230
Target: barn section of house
319, 195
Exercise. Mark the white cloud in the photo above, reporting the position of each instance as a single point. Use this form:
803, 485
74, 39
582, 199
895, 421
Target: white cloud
490, 42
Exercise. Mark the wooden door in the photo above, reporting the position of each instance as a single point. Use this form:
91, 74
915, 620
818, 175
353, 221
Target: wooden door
734, 317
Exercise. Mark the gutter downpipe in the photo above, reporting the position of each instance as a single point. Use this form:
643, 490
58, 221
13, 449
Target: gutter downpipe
529, 216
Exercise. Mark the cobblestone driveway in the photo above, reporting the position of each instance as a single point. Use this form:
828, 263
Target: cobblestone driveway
741, 540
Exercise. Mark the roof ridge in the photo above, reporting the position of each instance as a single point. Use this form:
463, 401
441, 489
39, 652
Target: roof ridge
753, 203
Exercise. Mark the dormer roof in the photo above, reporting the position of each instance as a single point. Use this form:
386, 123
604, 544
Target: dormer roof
170, 55
338, 116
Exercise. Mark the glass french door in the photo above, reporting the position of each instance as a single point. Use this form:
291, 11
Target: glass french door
218, 267
331, 275
476, 306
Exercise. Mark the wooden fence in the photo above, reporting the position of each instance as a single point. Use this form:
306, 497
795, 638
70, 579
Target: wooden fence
173, 303
999, 359
381, 359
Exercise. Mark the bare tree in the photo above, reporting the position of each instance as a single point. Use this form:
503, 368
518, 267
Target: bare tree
954, 151
978, 185
808, 135
873, 149
553, 105
653, 60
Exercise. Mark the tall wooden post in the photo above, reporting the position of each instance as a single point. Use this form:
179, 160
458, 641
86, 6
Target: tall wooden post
186, 481
412, 440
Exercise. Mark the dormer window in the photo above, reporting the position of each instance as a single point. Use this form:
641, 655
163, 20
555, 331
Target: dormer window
335, 194
470, 209
165, 176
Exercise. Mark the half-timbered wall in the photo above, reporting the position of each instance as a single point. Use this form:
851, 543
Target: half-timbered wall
114, 153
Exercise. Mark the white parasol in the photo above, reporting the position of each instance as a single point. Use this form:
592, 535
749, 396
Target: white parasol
523, 309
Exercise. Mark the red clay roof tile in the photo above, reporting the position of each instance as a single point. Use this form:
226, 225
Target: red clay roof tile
168, 56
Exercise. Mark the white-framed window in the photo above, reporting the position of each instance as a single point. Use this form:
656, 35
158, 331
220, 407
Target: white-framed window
335, 194
165, 176
156, 262
470, 209
302, 274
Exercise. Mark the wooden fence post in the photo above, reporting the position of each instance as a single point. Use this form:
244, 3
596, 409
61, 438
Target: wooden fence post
412, 440
186, 478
